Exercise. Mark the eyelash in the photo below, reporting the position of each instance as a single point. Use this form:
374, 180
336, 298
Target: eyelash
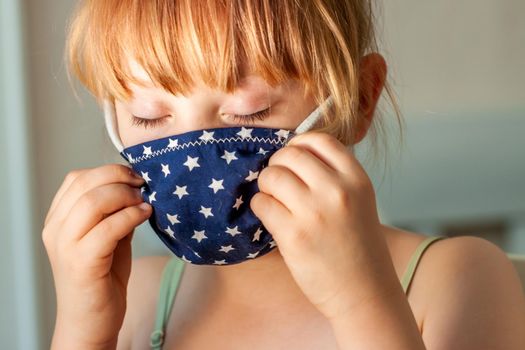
244, 119
147, 123
247, 119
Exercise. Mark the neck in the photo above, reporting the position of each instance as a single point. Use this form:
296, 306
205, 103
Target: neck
263, 282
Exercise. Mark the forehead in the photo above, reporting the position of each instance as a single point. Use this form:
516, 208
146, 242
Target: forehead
248, 78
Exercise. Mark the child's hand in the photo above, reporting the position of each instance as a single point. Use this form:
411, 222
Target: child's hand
319, 205
87, 235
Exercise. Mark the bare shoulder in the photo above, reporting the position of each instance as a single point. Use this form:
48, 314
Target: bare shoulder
143, 289
474, 296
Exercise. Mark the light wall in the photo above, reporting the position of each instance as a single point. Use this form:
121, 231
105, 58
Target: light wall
19, 316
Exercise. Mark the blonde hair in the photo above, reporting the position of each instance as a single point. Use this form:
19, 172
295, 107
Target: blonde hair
319, 42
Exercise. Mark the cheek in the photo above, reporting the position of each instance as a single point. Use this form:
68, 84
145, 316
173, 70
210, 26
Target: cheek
299, 104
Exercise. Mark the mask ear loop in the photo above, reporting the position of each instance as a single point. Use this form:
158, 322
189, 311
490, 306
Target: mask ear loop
313, 118
110, 119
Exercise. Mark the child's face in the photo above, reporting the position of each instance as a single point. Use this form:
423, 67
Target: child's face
205, 108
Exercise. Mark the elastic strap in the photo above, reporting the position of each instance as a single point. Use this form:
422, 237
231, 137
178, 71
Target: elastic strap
168, 291
414, 260
111, 124
310, 121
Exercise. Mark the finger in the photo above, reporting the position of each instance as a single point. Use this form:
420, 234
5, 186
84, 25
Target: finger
272, 213
96, 204
88, 180
331, 151
306, 165
282, 184
122, 256
104, 238
69, 178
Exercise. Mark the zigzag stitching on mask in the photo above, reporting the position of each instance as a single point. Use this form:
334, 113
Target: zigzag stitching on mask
198, 143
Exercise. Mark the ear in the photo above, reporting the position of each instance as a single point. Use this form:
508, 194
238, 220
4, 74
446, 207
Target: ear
372, 76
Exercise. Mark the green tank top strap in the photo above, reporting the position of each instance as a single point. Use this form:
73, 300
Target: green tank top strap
414, 260
169, 286
173, 271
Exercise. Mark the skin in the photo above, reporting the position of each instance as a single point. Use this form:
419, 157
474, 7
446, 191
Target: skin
334, 279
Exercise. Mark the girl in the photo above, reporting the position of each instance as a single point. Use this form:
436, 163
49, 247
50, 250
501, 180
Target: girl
321, 272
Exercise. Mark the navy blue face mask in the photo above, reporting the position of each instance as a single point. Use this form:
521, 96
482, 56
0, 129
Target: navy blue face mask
200, 184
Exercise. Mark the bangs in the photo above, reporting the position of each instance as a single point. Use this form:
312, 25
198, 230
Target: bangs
178, 42
182, 43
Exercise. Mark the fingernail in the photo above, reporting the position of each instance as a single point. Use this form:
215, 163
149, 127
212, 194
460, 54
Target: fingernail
135, 175
144, 206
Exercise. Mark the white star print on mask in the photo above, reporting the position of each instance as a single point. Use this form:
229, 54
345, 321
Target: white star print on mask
199, 183
229, 156
192, 163
181, 191
253, 175
199, 235
216, 185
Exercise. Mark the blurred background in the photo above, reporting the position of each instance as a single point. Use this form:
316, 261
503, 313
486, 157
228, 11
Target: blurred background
458, 69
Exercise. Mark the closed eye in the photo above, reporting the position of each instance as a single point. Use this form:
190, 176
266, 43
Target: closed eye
244, 119
148, 123
250, 118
